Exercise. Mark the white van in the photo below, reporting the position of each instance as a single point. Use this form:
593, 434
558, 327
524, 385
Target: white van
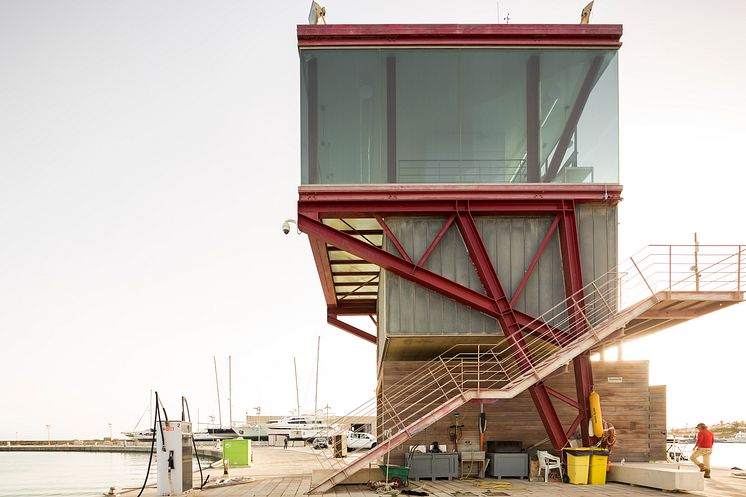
359, 440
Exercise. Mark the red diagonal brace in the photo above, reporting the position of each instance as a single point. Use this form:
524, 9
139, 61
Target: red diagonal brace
552, 423
572, 121
436, 240
535, 261
400, 267
564, 398
332, 320
393, 238
482, 263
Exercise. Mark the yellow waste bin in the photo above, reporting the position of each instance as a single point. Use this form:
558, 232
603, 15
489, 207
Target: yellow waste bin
597, 467
577, 464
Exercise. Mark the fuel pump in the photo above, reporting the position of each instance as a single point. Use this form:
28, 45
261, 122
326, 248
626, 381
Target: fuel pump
174, 449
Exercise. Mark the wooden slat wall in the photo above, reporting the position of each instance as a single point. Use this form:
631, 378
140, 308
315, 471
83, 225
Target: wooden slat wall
658, 422
627, 405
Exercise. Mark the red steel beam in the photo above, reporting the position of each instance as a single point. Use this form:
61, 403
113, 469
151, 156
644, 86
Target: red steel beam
548, 415
332, 320
520, 35
564, 398
491, 282
584, 386
410, 271
321, 259
313, 121
357, 307
483, 265
509, 323
573, 275
572, 121
393, 238
574, 426
400, 267
496, 193
436, 240
535, 260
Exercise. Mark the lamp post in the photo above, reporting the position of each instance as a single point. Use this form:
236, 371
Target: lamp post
111, 440
49, 438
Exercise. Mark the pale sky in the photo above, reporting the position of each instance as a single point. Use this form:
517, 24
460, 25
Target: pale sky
149, 152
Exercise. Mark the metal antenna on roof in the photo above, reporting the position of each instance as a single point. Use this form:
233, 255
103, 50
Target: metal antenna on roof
585, 16
317, 14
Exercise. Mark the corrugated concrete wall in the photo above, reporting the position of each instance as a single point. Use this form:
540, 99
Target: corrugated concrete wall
632, 406
407, 309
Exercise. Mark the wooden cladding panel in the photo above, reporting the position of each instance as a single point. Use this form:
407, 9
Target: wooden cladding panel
658, 422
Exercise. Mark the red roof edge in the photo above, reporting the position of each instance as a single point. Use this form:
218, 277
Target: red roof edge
529, 35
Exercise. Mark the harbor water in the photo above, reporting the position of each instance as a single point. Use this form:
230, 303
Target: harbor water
78, 474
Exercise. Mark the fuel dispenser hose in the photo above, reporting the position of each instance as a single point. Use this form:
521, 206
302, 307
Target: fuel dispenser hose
156, 418
156, 425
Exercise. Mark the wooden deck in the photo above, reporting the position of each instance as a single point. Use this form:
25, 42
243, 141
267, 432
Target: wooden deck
287, 473
721, 485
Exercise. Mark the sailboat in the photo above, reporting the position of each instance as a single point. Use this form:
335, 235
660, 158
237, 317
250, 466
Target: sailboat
220, 432
142, 435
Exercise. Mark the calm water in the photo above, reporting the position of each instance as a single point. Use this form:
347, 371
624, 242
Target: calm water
84, 474
78, 474
725, 455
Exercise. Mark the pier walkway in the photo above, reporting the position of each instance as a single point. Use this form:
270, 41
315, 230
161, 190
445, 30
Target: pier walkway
287, 473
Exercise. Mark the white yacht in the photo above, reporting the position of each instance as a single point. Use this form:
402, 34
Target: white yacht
740, 437
298, 427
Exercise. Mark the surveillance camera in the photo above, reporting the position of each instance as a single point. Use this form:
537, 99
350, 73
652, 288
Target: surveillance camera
286, 225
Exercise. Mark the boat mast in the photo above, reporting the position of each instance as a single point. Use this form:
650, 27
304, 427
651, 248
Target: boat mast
297, 398
230, 395
316, 395
217, 388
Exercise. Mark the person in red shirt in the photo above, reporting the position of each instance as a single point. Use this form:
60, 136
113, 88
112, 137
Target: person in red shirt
703, 448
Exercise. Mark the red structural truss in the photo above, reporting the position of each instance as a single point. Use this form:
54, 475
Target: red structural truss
459, 205
402, 35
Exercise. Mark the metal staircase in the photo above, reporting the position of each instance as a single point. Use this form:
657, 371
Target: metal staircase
653, 286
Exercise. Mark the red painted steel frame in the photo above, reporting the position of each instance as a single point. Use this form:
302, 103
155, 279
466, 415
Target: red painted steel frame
460, 204
513, 35
573, 276
334, 321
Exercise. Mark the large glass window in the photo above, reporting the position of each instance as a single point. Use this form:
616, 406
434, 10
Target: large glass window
459, 115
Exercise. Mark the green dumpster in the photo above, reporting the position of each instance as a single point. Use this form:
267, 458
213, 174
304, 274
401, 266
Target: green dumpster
237, 452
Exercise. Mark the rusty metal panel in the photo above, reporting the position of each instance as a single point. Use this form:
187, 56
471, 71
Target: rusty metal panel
512, 243
598, 233
410, 309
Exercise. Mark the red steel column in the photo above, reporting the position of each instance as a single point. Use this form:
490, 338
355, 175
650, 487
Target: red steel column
509, 323
573, 274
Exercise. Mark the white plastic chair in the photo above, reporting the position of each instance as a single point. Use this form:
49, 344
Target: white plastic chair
548, 462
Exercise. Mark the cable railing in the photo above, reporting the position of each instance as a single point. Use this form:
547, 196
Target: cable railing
513, 363
462, 171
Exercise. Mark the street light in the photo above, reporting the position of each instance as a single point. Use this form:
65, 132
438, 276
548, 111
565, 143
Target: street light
110, 438
49, 441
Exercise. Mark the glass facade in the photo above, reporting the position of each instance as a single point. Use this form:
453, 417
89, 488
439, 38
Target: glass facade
459, 115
